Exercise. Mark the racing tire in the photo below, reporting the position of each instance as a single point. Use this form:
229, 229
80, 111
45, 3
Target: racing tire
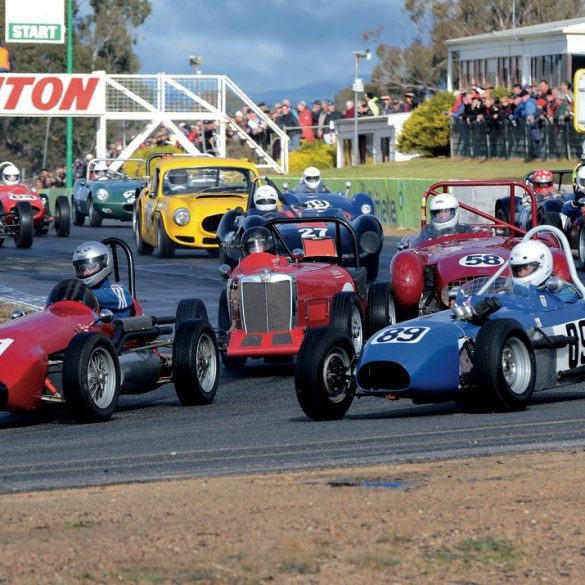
165, 246
143, 248
324, 382
381, 308
581, 245
549, 218
501, 215
78, 218
224, 323
95, 219
190, 309
195, 363
91, 377
62, 219
346, 315
24, 219
372, 266
504, 366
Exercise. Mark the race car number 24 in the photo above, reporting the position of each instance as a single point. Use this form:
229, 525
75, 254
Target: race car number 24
402, 335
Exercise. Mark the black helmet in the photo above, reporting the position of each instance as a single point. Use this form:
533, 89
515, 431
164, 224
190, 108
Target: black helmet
257, 239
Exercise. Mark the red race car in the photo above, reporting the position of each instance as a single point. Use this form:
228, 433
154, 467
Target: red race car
429, 267
24, 213
74, 354
296, 274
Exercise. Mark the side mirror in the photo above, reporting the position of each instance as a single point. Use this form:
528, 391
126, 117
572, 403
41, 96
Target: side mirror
369, 242
106, 316
17, 314
285, 186
298, 255
225, 270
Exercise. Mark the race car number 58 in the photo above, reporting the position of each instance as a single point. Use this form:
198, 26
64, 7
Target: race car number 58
401, 335
481, 260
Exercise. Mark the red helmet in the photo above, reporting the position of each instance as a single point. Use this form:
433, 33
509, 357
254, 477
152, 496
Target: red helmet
542, 181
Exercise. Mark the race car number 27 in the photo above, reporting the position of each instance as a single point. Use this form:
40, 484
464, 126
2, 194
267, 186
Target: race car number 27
5, 344
402, 335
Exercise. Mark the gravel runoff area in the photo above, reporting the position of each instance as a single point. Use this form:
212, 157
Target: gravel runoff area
492, 520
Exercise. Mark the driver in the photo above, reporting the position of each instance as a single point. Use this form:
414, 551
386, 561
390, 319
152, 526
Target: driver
531, 263
176, 180
543, 183
266, 199
100, 170
311, 182
10, 175
444, 210
93, 262
257, 239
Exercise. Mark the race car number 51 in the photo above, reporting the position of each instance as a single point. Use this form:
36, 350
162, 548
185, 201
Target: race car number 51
481, 260
401, 335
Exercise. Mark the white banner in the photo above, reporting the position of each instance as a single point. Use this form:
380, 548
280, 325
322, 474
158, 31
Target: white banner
52, 95
35, 21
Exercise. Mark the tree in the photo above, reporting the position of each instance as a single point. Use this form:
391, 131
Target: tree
103, 38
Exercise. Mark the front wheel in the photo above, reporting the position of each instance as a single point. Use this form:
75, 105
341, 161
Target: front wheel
504, 367
549, 218
143, 248
372, 265
195, 363
346, 315
24, 220
502, 231
95, 219
62, 219
323, 378
165, 246
91, 377
190, 309
381, 309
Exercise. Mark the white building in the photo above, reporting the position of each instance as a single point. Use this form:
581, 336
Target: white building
551, 51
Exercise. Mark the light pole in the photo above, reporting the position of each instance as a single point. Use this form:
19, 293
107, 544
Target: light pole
195, 62
358, 86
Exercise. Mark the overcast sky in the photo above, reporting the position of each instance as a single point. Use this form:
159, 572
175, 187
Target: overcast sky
275, 43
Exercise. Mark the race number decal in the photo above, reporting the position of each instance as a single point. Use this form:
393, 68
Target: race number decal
401, 335
21, 197
130, 196
316, 204
576, 356
481, 260
5, 344
317, 233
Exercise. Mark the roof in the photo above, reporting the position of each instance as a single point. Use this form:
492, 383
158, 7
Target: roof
181, 161
560, 27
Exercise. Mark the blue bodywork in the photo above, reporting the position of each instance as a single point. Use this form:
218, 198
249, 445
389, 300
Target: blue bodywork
353, 206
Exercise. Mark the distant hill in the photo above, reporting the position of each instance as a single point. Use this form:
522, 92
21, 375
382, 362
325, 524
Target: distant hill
317, 90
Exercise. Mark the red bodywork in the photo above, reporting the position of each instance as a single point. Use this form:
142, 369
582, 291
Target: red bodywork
10, 195
311, 291
423, 275
28, 342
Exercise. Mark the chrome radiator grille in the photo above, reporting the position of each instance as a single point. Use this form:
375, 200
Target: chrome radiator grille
267, 302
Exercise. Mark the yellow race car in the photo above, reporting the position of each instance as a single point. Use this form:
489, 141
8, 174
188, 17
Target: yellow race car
185, 200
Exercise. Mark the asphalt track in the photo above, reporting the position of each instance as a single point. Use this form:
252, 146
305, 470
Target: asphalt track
255, 424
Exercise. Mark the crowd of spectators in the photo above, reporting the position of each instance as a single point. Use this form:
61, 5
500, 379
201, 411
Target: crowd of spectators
536, 108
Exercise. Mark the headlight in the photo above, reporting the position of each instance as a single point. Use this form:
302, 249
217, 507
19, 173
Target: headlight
181, 216
102, 194
366, 208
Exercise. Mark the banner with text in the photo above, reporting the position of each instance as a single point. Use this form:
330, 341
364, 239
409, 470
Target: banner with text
35, 21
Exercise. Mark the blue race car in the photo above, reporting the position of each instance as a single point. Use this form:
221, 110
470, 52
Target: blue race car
367, 227
492, 349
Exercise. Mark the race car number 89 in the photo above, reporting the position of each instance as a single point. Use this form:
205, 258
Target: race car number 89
481, 260
402, 335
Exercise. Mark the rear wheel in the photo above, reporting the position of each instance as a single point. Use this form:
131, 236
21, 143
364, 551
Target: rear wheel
504, 366
372, 265
323, 377
23, 220
501, 215
190, 309
95, 219
224, 323
91, 377
381, 309
346, 315
62, 219
165, 246
549, 218
195, 363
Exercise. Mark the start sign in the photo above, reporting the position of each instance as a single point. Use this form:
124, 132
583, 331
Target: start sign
52, 95
29, 33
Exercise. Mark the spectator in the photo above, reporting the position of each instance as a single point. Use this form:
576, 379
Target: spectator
386, 105
315, 112
305, 122
349, 110
45, 179
567, 89
373, 104
288, 122
6, 63
60, 178
323, 119
410, 102
254, 127
334, 115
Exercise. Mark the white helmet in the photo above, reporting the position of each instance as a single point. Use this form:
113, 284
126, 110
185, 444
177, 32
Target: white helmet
92, 262
579, 182
531, 262
312, 177
10, 175
100, 168
444, 211
265, 198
